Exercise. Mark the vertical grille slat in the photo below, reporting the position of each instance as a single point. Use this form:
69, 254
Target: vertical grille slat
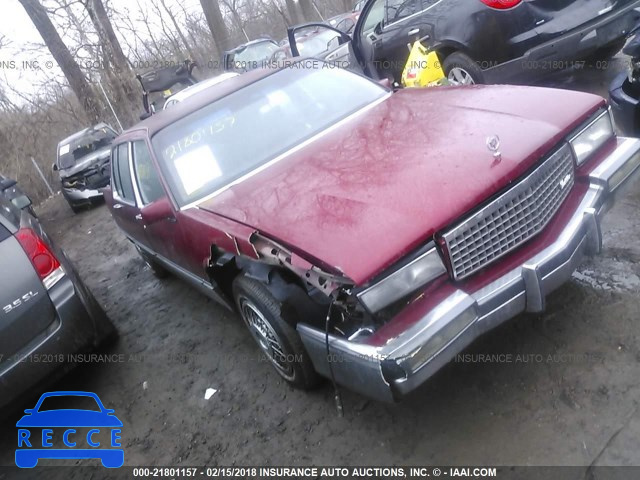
513, 218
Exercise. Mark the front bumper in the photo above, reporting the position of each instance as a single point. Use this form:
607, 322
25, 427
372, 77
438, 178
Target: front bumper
409, 358
81, 196
79, 325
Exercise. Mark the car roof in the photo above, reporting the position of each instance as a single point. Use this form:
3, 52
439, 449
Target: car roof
163, 118
84, 131
250, 43
203, 85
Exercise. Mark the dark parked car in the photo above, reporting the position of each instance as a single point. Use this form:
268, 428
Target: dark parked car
83, 164
11, 191
46, 312
249, 56
350, 223
625, 89
489, 41
160, 85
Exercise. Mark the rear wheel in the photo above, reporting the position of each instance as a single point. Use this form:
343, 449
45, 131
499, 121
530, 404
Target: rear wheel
276, 338
462, 70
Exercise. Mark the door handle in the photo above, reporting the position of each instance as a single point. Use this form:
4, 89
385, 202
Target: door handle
172, 219
117, 206
413, 31
139, 216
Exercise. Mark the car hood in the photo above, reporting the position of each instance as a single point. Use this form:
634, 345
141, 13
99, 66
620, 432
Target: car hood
366, 193
69, 418
86, 162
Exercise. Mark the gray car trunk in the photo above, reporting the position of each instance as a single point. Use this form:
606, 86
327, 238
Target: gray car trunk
25, 307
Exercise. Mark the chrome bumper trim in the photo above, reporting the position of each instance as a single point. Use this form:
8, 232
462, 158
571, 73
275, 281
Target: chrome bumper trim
75, 194
405, 361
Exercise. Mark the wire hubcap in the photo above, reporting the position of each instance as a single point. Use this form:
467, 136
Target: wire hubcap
267, 338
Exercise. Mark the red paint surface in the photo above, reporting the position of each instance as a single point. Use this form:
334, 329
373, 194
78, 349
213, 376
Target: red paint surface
365, 194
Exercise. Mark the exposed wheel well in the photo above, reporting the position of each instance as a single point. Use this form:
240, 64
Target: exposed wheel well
283, 284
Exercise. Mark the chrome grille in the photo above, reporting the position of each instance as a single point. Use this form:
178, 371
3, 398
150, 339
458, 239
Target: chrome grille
513, 218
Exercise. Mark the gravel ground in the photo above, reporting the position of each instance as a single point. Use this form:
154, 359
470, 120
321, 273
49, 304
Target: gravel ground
569, 396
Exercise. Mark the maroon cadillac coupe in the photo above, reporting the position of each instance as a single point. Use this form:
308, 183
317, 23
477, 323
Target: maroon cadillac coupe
366, 235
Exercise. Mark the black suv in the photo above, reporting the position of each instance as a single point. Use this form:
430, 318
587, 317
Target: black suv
486, 41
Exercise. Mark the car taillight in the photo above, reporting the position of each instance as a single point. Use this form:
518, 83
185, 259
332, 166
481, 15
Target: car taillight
42, 258
502, 4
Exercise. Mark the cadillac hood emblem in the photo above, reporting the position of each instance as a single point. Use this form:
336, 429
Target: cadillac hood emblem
493, 144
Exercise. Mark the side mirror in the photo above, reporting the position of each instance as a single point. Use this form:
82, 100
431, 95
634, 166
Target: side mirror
29, 411
21, 202
158, 211
378, 29
54, 167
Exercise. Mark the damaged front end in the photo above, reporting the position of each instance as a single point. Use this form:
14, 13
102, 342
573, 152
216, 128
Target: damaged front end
331, 312
83, 182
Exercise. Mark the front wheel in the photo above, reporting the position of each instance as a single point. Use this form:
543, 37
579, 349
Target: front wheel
278, 340
462, 70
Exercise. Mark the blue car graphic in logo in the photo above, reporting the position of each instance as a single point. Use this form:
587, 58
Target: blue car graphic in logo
36, 434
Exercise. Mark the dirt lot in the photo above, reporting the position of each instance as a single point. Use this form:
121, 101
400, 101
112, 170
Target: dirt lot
569, 395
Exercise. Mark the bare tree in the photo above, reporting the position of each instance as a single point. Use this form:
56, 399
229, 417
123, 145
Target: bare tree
309, 11
63, 57
292, 10
218, 28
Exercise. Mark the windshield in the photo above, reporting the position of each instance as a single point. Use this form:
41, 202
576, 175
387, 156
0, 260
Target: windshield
66, 402
70, 152
214, 146
313, 45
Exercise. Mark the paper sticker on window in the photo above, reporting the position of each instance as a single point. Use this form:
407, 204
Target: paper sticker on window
64, 149
197, 168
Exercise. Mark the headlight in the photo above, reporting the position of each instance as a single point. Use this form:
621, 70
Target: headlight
404, 281
598, 132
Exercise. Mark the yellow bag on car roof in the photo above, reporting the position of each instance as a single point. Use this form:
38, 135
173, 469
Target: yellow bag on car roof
423, 68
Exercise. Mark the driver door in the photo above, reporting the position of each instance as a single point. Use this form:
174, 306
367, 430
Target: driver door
403, 24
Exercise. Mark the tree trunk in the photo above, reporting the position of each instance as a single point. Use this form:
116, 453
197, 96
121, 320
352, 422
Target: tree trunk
117, 68
179, 30
308, 11
119, 58
292, 10
215, 20
63, 57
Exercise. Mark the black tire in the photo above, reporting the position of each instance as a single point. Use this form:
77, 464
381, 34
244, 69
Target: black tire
459, 62
293, 364
75, 208
158, 270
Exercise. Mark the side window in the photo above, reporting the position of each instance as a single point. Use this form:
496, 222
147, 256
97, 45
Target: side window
124, 173
375, 15
345, 25
399, 9
146, 175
